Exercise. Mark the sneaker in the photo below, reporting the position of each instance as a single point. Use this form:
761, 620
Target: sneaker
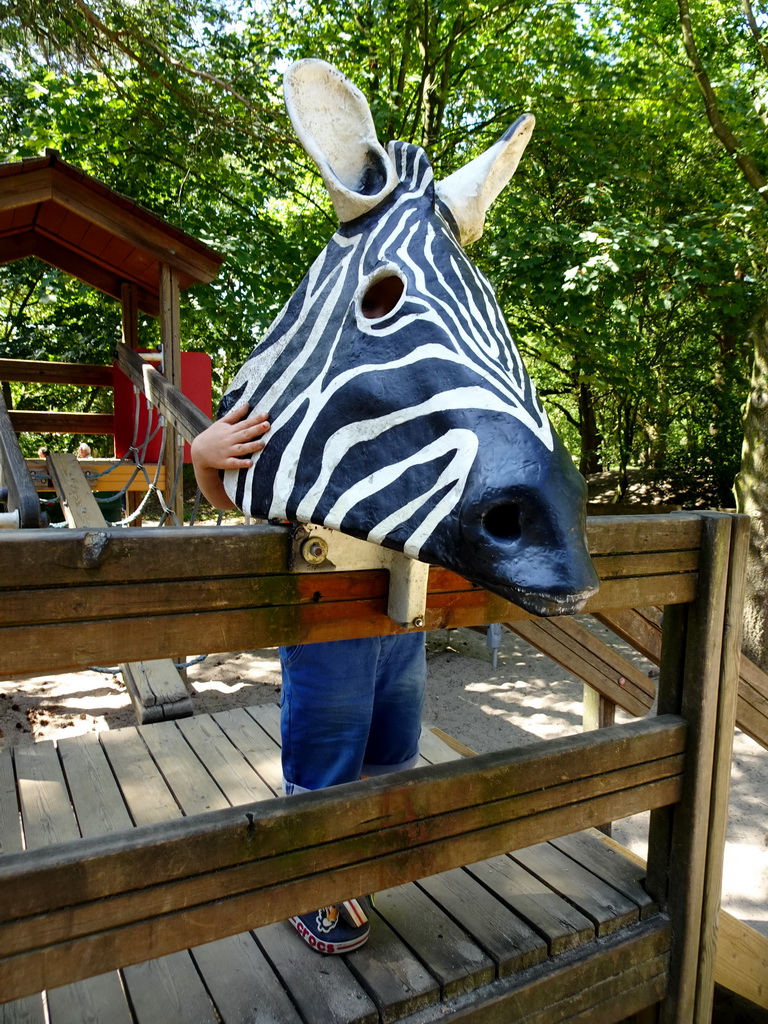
337, 929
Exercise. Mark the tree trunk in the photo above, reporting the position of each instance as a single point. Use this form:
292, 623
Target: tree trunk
658, 452
626, 435
590, 460
752, 496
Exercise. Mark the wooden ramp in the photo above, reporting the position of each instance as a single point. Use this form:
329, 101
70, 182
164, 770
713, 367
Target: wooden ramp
641, 627
618, 680
156, 688
508, 925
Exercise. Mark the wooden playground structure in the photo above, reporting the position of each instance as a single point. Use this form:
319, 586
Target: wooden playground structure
113, 875
146, 873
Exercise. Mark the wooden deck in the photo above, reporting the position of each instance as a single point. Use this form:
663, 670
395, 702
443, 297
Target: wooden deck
511, 923
214, 852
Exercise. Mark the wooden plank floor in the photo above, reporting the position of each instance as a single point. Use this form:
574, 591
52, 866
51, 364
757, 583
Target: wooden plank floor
431, 942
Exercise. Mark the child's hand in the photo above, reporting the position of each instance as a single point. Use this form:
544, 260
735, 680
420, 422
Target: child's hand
228, 443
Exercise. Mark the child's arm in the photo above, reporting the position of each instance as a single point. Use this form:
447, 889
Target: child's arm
226, 444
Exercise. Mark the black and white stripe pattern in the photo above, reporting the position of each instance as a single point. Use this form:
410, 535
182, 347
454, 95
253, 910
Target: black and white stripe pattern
375, 422
401, 411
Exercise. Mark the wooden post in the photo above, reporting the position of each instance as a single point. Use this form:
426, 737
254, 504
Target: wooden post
14, 476
170, 334
684, 858
671, 669
130, 322
598, 713
130, 335
721, 771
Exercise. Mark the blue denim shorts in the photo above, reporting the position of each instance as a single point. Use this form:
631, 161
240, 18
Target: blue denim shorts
351, 708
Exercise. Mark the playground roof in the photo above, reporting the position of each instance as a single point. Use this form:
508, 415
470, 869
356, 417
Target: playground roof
52, 210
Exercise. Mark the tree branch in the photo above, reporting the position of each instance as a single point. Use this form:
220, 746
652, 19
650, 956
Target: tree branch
728, 140
115, 38
754, 28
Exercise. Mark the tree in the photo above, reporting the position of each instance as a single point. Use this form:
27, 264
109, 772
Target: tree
622, 258
622, 253
599, 255
737, 112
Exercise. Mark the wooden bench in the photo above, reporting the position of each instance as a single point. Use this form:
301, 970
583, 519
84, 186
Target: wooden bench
76, 907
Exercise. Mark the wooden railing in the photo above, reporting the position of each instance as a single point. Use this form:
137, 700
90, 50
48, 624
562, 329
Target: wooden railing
224, 589
14, 474
84, 596
67, 600
44, 372
15, 470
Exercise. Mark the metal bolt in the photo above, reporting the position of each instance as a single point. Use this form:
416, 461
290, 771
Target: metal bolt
418, 622
314, 550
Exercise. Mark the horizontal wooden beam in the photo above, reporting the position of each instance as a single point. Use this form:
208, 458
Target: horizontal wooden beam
76, 644
209, 593
98, 557
41, 371
121, 474
222, 589
27, 422
252, 865
119, 556
680, 531
614, 980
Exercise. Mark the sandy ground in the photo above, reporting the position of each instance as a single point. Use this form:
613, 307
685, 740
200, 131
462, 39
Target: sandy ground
525, 698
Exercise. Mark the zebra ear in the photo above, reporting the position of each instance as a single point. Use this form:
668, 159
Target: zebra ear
334, 125
469, 192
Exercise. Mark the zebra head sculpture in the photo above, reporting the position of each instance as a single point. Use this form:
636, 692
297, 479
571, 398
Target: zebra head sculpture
400, 408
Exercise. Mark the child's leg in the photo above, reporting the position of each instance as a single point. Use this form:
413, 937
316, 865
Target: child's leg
351, 708
401, 676
336, 695
326, 710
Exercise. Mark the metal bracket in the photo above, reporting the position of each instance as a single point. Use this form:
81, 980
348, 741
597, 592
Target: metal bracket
318, 549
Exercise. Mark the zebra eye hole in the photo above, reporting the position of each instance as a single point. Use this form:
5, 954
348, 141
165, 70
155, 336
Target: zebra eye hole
503, 521
382, 297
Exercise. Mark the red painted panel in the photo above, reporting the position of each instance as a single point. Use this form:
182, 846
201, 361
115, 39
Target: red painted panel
143, 431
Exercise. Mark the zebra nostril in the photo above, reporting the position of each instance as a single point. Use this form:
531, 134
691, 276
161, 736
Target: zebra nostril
382, 297
503, 521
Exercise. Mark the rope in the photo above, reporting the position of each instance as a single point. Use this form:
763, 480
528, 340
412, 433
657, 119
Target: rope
152, 487
135, 453
174, 490
115, 670
195, 507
